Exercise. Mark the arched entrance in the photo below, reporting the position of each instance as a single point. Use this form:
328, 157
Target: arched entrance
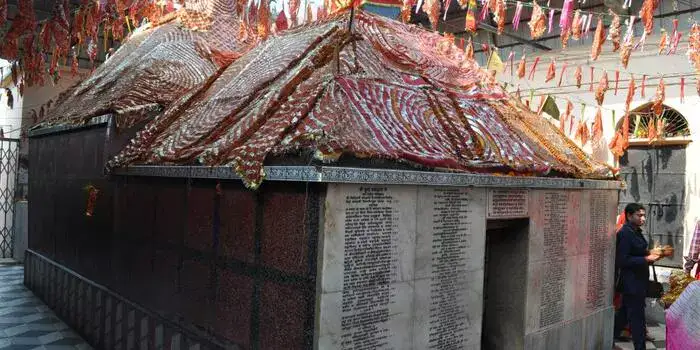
654, 170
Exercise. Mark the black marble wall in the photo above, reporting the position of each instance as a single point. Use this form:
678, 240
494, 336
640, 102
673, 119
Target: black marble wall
232, 267
656, 177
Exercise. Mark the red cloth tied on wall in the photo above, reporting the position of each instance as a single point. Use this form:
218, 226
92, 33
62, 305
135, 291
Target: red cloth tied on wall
92, 193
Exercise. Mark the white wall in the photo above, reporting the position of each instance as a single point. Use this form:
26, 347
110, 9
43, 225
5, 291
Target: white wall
647, 62
36, 96
10, 118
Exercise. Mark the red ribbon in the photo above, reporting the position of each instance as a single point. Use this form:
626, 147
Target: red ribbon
644, 84
561, 75
617, 79
682, 89
590, 87
532, 71
92, 198
511, 58
675, 28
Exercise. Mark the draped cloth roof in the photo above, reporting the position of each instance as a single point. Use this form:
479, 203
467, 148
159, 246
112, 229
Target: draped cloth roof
362, 85
156, 66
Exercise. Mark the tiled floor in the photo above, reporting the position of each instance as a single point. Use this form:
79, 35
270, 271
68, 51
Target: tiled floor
658, 331
25, 322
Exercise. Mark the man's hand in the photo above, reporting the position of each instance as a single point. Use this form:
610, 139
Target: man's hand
652, 258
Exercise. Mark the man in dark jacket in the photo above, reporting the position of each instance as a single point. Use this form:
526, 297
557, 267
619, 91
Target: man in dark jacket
632, 261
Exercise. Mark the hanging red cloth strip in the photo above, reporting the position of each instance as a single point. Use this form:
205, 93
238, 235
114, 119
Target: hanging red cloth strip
486, 48
675, 28
676, 41
561, 75
682, 89
484, 12
590, 87
534, 67
644, 84
511, 58
617, 80
516, 16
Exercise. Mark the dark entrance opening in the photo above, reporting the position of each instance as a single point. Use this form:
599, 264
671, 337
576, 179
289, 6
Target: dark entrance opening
505, 284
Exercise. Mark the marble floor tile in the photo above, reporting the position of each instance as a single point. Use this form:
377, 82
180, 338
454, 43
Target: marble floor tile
26, 322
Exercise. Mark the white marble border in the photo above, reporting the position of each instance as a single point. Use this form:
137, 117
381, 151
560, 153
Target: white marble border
331, 174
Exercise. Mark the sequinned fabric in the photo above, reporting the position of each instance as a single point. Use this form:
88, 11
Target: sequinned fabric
155, 67
378, 89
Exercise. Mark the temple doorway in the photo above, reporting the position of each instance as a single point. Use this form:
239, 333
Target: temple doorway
505, 284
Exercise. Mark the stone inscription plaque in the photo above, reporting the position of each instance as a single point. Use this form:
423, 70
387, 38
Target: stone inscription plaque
507, 204
369, 270
450, 245
448, 314
599, 217
553, 295
402, 268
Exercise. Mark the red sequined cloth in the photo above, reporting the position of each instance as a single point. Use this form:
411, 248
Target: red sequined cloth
382, 90
155, 67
